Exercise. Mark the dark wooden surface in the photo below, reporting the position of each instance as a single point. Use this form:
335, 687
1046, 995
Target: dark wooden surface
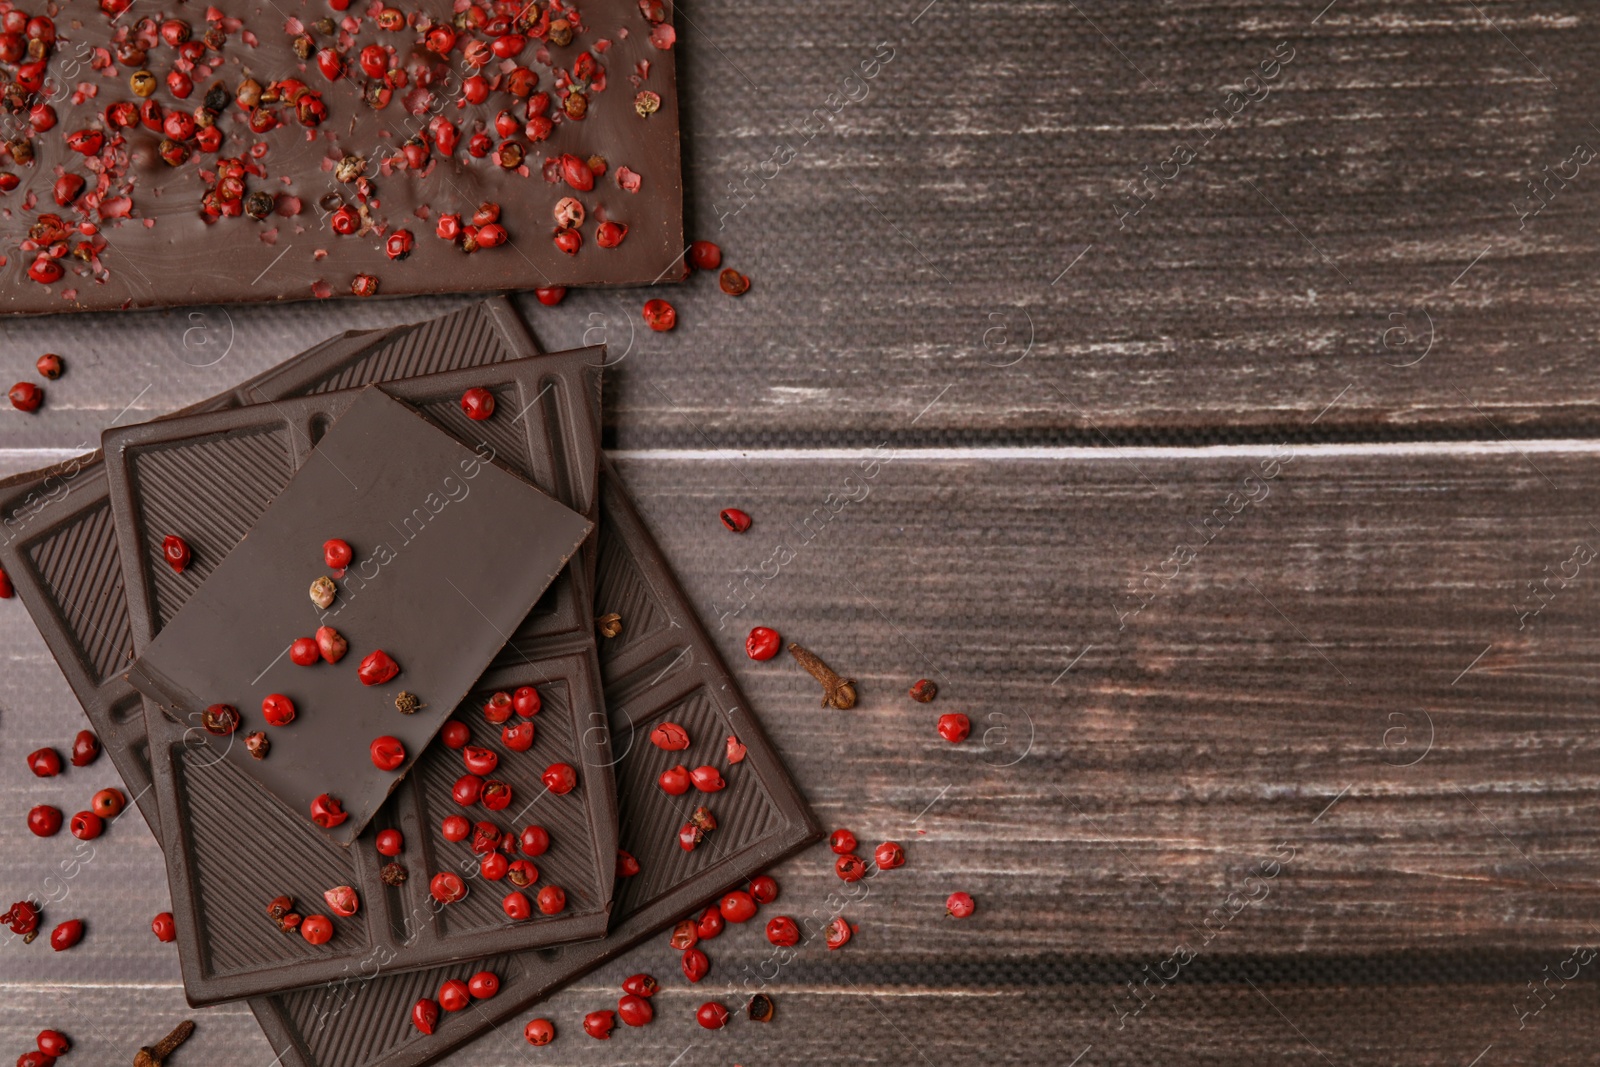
1340, 672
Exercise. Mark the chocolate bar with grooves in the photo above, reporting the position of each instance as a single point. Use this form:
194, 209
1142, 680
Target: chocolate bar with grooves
364, 1024
547, 431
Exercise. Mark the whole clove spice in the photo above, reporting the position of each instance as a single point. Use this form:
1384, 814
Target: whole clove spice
154, 1056
837, 692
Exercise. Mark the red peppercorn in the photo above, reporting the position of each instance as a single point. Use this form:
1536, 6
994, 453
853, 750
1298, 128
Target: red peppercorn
924, 691
22, 918
45, 763
331, 644
551, 295
86, 142
45, 271
516, 906
28, 395
337, 554
539, 1032
733, 283
327, 811
277, 709
610, 234
552, 900
304, 651
889, 855
455, 827
738, 907
959, 905
35, 1058
53, 1043
627, 866
704, 255
850, 867
534, 840
399, 244
660, 315
164, 927
685, 934
634, 1010
176, 552
674, 781
569, 241
497, 709
695, 964
392, 842
517, 737
598, 1024
86, 826
447, 888
670, 736
783, 931
496, 795
378, 667
483, 985
342, 901
560, 778
480, 760
85, 748
44, 820
220, 720
455, 734
477, 403
6, 589
454, 995
763, 889
388, 753
425, 1015
526, 701
762, 644
707, 779
67, 188
710, 923
467, 790
522, 873
735, 520
108, 802
48, 366
954, 727
838, 933
66, 935
640, 985
712, 1016
486, 838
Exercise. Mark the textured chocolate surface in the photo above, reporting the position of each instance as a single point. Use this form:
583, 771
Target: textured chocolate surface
165, 235
550, 437
452, 551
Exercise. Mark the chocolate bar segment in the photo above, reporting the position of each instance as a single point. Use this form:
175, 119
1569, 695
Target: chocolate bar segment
450, 553
552, 401
249, 152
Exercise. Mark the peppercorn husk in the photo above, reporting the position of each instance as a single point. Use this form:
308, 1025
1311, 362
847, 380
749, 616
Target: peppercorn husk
393, 874
257, 745
406, 703
610, 625
323, 590
760, 1008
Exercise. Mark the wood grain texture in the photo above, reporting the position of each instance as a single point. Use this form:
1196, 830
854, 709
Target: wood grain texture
1210, 734
906, 247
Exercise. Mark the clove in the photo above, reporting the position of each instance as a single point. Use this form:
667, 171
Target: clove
153, 1057
836, 692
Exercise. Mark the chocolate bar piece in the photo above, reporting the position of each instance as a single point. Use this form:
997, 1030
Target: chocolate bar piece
360, 1023
301, 150
546, 428
58, 543
450, 552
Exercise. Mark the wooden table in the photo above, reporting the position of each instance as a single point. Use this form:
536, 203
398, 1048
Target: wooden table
1235, 517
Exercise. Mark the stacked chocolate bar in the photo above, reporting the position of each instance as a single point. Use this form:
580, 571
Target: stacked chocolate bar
377, 642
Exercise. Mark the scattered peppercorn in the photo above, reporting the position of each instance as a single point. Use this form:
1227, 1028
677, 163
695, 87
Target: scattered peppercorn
175, 550
610, 625
959, 905
762, 643
393, 874
759, 1009
735, 520
85, 748
49, 366
406, 703
257, 744
539, 1032
705, 255
733, 283
954, 727
164, 927
924, 691
477, 404
322, 592
660, 315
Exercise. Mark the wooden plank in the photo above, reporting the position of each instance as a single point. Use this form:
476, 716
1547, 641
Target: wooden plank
907, 246
1269, 705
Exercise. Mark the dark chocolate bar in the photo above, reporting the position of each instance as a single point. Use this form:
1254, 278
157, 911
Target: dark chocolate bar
291, 151
361, 1023
450, 553
547, 431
